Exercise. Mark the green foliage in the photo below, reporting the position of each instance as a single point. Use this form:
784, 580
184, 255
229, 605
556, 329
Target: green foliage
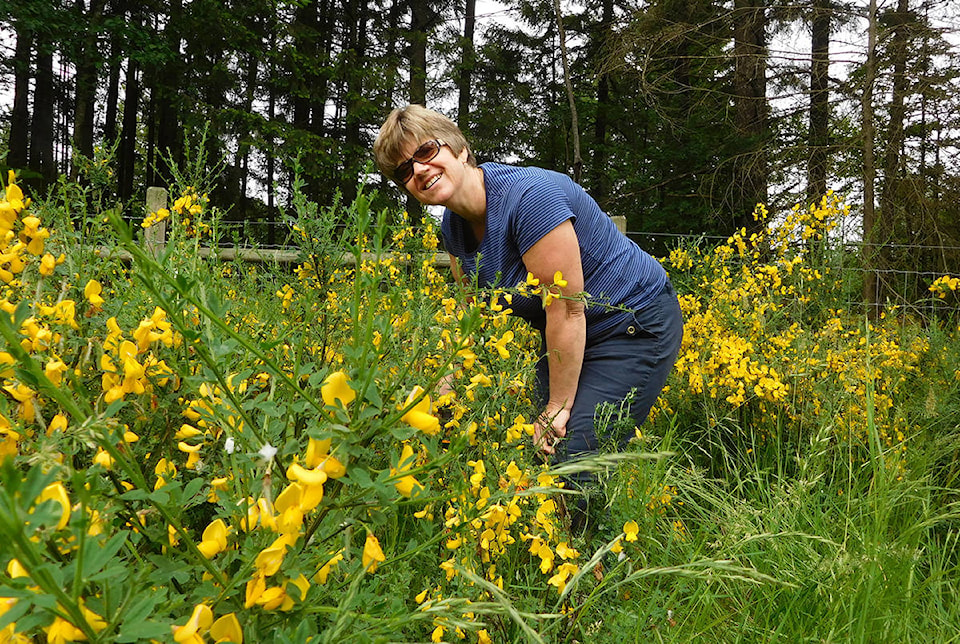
176, 429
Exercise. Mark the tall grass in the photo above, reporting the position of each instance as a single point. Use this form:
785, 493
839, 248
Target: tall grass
202, 450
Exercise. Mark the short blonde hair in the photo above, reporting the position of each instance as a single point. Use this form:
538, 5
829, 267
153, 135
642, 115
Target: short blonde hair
412, 125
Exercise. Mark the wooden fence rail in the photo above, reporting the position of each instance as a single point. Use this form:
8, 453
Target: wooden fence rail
154, 239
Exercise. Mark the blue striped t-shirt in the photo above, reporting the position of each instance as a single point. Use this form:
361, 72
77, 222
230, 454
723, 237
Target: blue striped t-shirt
523, 205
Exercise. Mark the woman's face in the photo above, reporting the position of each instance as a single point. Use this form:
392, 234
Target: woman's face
436, 181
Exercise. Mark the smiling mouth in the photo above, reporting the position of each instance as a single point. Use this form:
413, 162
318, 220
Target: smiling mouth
432, 181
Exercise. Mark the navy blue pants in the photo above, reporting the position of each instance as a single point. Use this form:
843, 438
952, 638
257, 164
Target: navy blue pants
626, 367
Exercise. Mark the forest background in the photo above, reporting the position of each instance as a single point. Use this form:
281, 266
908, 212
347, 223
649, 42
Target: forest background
680, 115
195, 448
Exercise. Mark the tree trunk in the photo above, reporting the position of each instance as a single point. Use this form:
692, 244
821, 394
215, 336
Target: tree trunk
243, 149
305, 42
126, 162
467, 57
574, 120
890, 208
420, 19
86, 84
271, 157
819, 123
19, 142
113, 80
355, 99
393, 61
41, 125
320, 81
600, 181
356, 47
869, 167
169, 138
750, 87
419, 25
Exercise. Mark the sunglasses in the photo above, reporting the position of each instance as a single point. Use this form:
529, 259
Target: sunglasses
424, 154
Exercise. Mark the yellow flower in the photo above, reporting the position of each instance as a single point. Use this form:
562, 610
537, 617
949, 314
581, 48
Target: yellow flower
192, 632
501, 344
546, 558
269, 560
336, 391
103, 459
564, 572
289, 504
566, 552
7, 359
56, 492
631, 529
372, 554
324, 572
449, 566
62, 631
311, 482
33, 235
315, 476
227, 629
254, 591
407, 486
16, 570
8, 439
318, 456
558, 279
419, 416
57, 424
214, 539
455, 542
193, 454
47, 264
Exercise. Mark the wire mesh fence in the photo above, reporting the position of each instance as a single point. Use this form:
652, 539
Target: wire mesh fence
870, 277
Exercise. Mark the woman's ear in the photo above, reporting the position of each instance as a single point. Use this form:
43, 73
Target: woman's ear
464, 154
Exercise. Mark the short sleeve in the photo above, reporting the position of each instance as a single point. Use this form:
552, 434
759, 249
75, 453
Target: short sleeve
538, 206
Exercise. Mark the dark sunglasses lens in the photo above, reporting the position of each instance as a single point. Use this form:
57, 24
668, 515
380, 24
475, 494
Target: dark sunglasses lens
427, 151
423, 154
404, 171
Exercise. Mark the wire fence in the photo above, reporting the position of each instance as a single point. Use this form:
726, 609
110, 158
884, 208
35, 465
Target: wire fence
901, 273
901, 285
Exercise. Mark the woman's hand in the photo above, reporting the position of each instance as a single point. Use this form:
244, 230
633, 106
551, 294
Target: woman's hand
549, 429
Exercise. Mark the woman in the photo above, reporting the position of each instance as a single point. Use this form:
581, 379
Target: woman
501, 222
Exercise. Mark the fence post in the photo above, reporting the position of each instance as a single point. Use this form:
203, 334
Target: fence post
621, 223
155, 237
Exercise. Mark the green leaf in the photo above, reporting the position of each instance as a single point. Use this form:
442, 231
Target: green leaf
22, 312
15, 612
160, 497
142, 631
143, 606
134, 495
168, 569
359, 476
94, 558
402, 432
192, 489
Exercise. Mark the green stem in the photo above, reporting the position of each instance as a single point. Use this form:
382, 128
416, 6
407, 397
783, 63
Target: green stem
151, 266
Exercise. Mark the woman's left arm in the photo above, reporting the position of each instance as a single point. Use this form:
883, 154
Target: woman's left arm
566, 328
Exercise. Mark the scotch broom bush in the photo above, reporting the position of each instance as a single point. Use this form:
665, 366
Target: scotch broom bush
196, 450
